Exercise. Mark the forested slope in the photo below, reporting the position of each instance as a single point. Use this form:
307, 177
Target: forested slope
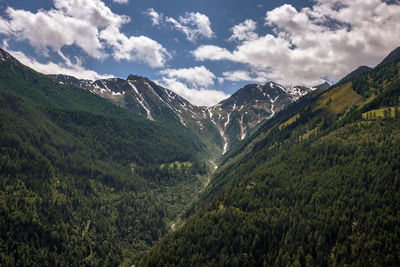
317, 186
82, 181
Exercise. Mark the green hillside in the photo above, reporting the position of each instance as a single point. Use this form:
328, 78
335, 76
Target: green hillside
317, 185
81, 181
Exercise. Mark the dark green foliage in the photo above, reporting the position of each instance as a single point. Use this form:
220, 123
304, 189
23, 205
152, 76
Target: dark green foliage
322, 191
330, 202
80, 178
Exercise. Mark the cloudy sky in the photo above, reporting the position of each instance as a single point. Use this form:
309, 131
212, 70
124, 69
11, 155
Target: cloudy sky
203, 50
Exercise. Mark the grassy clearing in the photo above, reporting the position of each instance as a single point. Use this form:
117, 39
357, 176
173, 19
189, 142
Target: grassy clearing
339, 99
388, 112
176, 165
289, 121
308, 133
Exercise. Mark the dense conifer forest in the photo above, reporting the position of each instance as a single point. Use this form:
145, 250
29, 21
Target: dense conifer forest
318, 185
85, 182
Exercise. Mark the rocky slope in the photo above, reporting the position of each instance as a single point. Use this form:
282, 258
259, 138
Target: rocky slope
220, 126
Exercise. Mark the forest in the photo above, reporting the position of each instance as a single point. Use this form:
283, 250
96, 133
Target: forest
317, 185
81, 180
84, 182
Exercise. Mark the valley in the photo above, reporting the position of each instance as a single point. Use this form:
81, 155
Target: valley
124, 171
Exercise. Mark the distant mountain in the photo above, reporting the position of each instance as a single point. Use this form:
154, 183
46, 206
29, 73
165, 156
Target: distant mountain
394, 55
220, 126
236, 116
359, 70
322, 86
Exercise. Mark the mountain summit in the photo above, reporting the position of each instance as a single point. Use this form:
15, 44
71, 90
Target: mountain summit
395, 54
5, 56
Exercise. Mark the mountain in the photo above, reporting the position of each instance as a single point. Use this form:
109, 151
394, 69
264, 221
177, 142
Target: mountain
393, 56
322, 86
6, 57
356, 72
83, 181
236, 116
220, 127
316, 185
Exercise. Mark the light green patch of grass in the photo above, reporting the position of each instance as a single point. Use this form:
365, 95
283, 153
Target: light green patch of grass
289, 121
381, 113
339, 99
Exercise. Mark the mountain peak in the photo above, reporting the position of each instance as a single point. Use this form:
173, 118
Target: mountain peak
359, 70
6, 57
322, 86
133, 77
395, 54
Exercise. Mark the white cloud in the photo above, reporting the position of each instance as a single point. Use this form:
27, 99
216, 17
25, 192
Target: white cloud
196, 76
134, 48
121, 1
212, 52
244, 31
4, 26
200, 97
156, 18
53, 29
67, 68
193, 24
329, 39
245, 76
236, 76
88, 24
193, 84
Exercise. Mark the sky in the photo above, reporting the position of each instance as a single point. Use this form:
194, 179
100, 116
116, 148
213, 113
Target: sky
204, 50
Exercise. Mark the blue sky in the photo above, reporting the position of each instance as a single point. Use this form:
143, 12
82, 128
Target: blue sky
203, 50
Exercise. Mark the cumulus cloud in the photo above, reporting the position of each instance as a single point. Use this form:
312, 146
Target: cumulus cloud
194, 25
191, 83
156, 18
4, 26
244, 31
88, 24
54, 30
196, 76
121, 1
212, 52
327, 40
199, 97
245, 76
67, 68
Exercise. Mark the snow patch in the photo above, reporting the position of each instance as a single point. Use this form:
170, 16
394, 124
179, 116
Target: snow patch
227, 120
242, 128
142, 101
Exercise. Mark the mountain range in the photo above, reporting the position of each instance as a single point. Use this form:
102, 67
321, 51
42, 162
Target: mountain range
220, 126
123, 171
